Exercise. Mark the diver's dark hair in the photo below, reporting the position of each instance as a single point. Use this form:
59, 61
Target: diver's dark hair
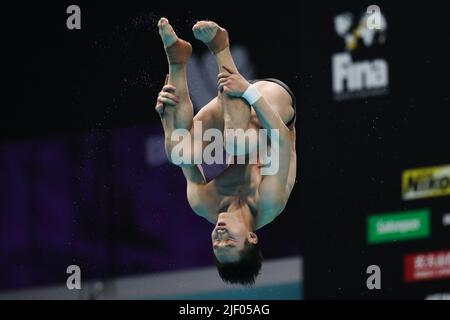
246, 269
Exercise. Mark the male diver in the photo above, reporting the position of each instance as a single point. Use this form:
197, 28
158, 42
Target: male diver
240, 200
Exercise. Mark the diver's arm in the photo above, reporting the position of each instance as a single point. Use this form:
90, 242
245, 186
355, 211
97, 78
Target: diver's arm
275, 187
270, 119
202, 197
272, 189
235, 85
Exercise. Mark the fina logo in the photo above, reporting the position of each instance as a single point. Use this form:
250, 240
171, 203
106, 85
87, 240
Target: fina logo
364, 78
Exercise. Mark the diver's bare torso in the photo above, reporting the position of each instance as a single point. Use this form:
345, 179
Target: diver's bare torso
238, 184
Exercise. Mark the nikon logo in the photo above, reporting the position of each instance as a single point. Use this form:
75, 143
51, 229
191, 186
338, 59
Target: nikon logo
426, 182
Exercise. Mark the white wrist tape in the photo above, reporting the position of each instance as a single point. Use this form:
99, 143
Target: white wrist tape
251, 95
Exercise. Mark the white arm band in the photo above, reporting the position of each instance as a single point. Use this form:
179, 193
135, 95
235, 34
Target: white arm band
251, 95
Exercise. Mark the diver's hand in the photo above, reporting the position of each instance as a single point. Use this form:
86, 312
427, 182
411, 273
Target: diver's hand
167, 100
232, 84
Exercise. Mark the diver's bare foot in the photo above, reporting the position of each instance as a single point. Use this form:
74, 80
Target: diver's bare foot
168, 35
178, 51
209, 32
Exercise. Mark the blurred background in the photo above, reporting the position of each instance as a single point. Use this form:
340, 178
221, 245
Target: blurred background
85, 181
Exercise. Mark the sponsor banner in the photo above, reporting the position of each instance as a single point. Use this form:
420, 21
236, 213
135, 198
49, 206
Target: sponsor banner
398, 226
427, 266
426, 182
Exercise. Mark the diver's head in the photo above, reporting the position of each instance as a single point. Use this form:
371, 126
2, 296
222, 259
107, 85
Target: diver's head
235, 245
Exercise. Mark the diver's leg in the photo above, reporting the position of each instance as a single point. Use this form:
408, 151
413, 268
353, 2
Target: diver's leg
236, 113
217, 40
178, 52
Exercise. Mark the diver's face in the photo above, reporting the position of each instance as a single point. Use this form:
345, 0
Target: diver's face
228, 237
